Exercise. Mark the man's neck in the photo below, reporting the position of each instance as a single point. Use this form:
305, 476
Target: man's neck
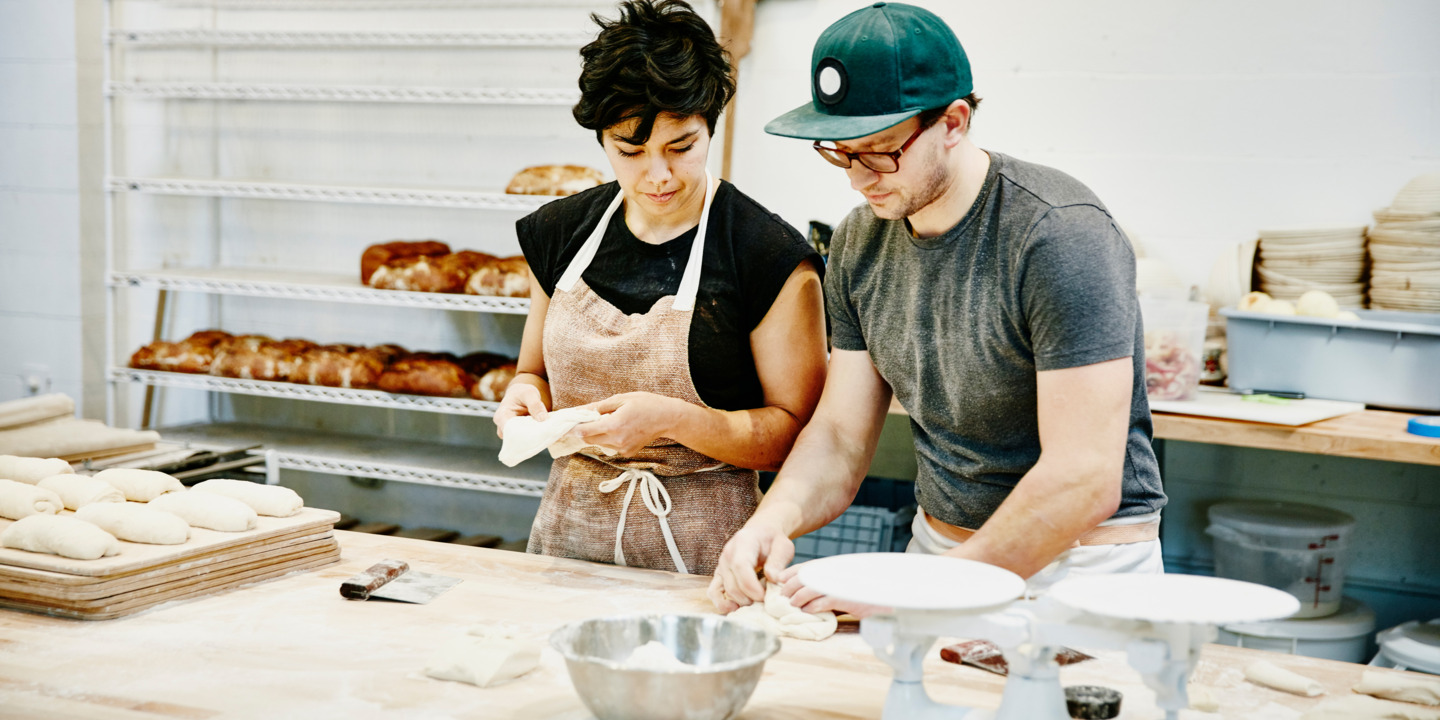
969, 165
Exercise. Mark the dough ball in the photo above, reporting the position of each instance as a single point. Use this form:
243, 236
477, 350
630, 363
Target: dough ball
1347, 315
208, 510
1317, 303
269, 500
18, 500
57, 535
655, 656
140, 485
77, 491
32, 470
1279, 307
483, 662
1254, 301
777, 615
136, 522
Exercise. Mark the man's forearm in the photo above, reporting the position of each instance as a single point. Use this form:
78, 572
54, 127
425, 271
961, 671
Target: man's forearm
818, 480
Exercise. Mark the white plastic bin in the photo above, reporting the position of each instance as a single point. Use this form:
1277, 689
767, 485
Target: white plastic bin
1300, 549
1413, 646
1343, 636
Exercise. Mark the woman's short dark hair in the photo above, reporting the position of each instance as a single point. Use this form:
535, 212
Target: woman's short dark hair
659, 57
933, 115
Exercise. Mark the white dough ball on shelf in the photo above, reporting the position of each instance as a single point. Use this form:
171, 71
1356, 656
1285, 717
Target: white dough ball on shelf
1317, 303
1255, 301
1279, 307
1347, 315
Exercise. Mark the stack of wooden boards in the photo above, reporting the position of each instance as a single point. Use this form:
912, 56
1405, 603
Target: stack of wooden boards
46, 426
143, 576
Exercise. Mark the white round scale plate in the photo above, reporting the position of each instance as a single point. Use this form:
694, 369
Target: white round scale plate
912, 581
1174, 598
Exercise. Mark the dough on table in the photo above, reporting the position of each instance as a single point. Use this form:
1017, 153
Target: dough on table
207, 510
77, 491
777, 615
136, 522
525, 436
140, 485
1364, 707
1203, 698
60, 535
269, 500
1264, 672
32, 470
1395, 686
483, 661
18, 500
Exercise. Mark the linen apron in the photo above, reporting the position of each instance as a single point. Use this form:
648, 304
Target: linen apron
666, 507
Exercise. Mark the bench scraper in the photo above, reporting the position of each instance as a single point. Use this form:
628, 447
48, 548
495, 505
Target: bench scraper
394, 580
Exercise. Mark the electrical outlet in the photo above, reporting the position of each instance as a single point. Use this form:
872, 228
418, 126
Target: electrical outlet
36, 378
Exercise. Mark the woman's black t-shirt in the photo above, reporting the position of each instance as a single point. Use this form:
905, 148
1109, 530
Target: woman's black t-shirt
749, 254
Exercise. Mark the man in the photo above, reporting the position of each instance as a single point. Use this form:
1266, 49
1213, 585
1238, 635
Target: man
995, 299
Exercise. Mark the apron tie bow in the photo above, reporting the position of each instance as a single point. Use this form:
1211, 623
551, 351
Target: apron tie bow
657, 501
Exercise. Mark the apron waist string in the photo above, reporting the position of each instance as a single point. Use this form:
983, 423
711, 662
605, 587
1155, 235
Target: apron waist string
657, 501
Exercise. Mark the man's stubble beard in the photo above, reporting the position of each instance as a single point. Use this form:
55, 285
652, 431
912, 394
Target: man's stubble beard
930, 187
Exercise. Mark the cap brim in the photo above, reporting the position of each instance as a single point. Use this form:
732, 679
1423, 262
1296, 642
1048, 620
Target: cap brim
806, 123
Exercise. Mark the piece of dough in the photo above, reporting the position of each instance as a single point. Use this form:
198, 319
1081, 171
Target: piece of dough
1264, 672
269, 500
31, 470
655, 656
525, 436
77, 491
1364, 707
57, 535
483, 661
18, 500
136, 522
1394, 686
777, 615
140, 485
1203, 698
207, 510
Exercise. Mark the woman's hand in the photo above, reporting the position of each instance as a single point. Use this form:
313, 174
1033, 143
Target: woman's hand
520, 399
630, 421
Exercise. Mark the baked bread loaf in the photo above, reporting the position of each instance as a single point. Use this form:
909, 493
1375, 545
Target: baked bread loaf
437, 374
554, 180
191, 355
502, 277
377, 255
491, 386
256, 357
344, 366
430, 273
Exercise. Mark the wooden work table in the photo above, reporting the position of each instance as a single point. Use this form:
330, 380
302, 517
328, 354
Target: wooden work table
293, 648
1370, 434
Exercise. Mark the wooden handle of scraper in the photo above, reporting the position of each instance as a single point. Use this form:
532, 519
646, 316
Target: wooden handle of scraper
360, 586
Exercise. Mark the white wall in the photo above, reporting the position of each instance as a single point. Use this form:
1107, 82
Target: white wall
1196, 123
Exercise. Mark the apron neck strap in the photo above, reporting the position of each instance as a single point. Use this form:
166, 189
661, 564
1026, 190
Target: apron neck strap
689, 281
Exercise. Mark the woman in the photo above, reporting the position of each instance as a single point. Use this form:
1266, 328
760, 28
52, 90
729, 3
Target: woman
679, 308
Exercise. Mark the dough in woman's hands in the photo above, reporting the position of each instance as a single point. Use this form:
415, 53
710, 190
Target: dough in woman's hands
57, 535
525, 436
18, 500
269, 500
777, 615
136, 522
1264, 672
1395, 686
207, 510
77, 491
140, 485
31, 470
1364, 707
483, 661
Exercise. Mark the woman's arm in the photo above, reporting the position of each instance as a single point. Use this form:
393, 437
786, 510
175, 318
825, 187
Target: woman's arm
529, 392
789, 350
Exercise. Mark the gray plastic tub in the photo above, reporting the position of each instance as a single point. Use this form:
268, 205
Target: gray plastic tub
1385, 358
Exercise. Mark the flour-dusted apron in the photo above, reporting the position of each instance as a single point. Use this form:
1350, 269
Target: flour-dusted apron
666, 507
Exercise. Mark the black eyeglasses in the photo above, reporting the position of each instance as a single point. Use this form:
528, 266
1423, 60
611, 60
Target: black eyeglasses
880, 162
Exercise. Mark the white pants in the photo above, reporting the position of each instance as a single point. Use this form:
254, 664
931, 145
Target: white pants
1141, 557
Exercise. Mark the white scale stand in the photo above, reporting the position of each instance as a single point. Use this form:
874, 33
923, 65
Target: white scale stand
1160, 621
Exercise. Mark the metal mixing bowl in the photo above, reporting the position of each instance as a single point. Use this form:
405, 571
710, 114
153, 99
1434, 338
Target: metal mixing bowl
724, 660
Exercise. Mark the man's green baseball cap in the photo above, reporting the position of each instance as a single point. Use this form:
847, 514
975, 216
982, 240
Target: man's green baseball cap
875, 68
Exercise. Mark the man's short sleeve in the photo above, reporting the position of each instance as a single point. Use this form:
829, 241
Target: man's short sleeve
839, 305
1078, 289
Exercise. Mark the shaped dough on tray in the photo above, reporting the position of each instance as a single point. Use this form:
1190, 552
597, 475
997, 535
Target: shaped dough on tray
136, 522
140, 485
77, 491
18, 500
269, 500
56, 535
31, 470
208, 510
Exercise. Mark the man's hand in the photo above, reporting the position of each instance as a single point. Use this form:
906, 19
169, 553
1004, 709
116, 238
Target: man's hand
630, 421
813, 602
756, 545
520, 399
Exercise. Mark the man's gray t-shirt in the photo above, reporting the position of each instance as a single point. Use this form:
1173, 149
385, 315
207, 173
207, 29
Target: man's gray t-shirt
1037, 276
